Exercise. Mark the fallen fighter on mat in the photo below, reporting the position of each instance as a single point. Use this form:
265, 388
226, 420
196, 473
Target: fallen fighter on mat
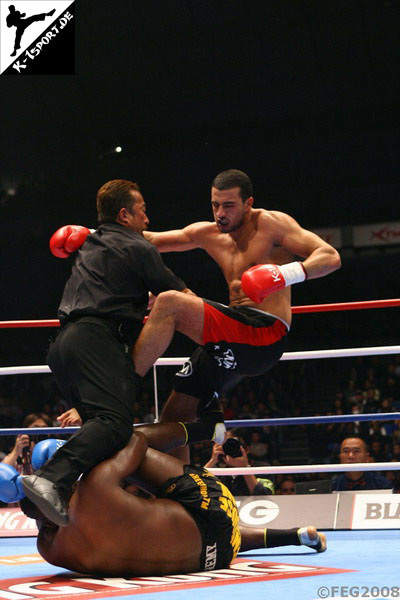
190, 524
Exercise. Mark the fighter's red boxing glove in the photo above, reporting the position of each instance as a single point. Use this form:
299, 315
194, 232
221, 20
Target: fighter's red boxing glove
67, 239
262, 280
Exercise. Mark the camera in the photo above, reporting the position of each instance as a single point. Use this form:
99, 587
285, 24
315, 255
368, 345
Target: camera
232, 447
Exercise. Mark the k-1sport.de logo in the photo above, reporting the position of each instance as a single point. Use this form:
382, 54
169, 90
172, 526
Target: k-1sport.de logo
37, 37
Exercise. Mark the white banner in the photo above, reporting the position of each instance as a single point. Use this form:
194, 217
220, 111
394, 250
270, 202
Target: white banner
377, 234
376, 511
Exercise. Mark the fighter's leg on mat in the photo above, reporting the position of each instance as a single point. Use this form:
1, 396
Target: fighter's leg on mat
253, 538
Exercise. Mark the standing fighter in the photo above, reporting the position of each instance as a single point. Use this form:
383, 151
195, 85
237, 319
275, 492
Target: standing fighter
101, 314
248, 337
254, 249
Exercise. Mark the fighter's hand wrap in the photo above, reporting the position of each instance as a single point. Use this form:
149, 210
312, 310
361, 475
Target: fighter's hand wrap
45, 450
262, 280
10, 484
68, 239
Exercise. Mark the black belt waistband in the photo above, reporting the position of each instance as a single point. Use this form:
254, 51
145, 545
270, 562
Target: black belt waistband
127, 332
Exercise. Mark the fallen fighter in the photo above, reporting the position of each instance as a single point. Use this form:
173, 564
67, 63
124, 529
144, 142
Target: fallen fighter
184, 521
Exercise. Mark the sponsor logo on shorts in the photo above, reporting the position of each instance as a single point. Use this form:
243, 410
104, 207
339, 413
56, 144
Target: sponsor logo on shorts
186, 370
170, 489
211, 557
225, 359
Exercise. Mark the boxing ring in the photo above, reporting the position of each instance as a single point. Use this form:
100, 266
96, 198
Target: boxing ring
357, 563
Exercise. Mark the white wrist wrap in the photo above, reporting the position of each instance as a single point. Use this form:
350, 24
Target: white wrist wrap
293, 273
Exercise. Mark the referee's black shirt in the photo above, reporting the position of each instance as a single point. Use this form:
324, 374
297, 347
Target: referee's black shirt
113, 273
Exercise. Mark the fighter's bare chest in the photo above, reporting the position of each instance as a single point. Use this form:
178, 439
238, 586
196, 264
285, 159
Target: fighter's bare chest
235, 256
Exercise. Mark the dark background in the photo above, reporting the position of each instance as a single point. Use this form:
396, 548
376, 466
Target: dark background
302, 95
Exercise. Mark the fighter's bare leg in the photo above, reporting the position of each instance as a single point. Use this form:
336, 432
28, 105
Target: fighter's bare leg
163, 436
180, 407
172, 311
273, 538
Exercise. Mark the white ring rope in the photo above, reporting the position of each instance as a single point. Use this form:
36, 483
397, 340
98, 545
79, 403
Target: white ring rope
170, 361
334, 468
267, 469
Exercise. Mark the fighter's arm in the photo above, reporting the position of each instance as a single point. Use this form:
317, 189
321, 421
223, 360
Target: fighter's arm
320, 257
179, 240
125, 462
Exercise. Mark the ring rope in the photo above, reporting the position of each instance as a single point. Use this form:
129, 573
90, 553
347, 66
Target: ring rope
310, 308
334, 468
170, 361
238, 423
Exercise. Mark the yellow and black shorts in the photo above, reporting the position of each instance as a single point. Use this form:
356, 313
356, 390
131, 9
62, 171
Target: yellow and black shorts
214, 510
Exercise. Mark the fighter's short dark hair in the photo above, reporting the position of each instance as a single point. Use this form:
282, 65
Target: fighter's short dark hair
227, 180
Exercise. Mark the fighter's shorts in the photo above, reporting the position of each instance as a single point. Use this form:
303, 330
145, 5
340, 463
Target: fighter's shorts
214, 510
239, 341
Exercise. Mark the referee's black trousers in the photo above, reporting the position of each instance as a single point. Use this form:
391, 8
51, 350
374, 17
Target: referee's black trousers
94, 371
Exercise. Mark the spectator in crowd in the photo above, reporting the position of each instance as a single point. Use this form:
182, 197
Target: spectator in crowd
246, 412
20, 455
287, 487
395, 452
371, 397
377, 432
352, 394
355, 450
258, 447
378, 451
235, 453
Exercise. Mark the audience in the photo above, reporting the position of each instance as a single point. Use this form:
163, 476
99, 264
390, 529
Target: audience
355, 450
287, 487
19, 456
235, 453
290, 389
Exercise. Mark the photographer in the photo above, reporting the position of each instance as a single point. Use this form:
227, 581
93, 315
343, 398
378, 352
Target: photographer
234, 453
20, 455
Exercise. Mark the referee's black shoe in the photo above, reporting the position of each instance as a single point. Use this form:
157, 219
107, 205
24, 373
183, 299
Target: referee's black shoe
48, 498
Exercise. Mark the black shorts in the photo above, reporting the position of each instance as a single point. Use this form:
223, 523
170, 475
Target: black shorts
238, 342
214, 511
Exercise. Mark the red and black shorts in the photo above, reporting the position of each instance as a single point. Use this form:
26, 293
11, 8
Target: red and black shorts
239, 342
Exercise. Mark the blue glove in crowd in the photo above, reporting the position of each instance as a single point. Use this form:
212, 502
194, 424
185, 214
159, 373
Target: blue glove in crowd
11, 481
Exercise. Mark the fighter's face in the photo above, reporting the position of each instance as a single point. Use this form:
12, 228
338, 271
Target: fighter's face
229, 209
